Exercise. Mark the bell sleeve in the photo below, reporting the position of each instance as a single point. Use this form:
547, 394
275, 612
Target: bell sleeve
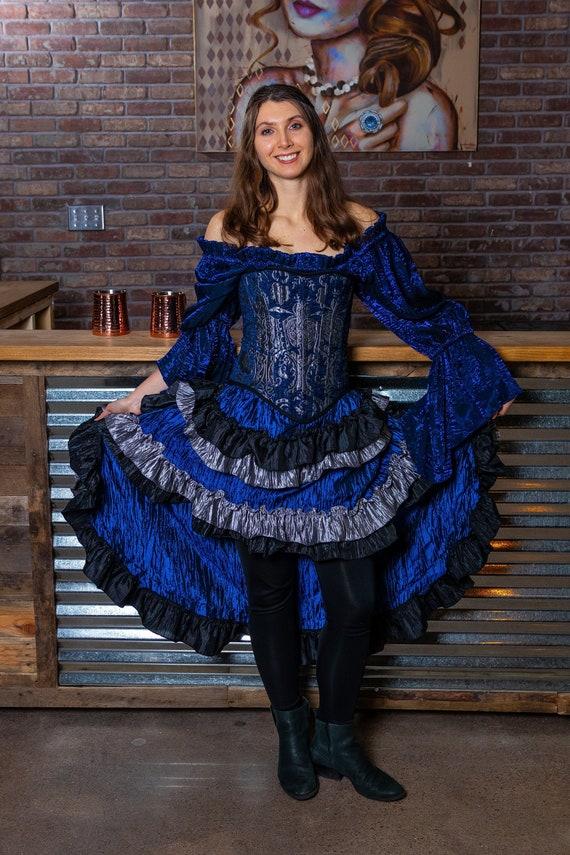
468, 382
205, 348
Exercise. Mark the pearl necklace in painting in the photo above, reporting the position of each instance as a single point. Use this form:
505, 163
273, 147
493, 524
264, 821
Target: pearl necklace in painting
326, 89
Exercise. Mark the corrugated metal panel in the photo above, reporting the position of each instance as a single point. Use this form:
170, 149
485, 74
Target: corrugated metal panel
511, 632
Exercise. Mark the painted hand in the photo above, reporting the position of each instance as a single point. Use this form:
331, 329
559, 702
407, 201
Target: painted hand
380, 140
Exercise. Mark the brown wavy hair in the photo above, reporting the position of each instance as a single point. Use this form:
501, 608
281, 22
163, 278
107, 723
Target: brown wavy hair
403, 42
253, 199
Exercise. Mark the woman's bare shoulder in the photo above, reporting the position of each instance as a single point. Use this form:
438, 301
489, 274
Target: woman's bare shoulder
215, 228
362, 214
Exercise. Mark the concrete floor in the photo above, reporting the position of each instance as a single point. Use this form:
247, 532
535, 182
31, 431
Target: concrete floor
155, 782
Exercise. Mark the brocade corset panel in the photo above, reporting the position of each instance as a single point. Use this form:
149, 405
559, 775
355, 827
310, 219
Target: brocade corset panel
295, 331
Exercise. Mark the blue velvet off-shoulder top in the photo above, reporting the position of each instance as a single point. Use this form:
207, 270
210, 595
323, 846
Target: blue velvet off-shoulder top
296, 315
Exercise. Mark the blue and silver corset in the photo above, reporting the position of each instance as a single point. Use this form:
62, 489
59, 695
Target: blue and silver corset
295, 331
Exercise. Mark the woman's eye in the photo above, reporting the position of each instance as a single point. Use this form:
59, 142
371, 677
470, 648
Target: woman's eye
265, 132
295, 126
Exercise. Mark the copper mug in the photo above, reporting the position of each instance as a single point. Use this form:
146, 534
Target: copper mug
166, 313
110, 315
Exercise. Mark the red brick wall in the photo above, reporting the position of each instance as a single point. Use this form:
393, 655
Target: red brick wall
96, 106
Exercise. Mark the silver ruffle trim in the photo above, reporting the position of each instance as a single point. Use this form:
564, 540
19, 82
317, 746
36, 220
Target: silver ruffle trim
309, 528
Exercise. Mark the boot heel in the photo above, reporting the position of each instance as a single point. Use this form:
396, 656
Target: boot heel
327, 772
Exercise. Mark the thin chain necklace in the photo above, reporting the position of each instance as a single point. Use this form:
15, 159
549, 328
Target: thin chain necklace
341, 87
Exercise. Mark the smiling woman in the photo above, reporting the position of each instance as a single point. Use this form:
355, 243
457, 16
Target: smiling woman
260, 491
283, 140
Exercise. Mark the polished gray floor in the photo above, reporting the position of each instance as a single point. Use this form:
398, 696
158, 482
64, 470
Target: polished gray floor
150, 782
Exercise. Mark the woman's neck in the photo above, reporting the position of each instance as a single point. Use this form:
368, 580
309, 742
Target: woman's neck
291, 200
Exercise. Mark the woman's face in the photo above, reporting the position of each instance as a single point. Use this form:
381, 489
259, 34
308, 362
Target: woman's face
283, 140
322, 19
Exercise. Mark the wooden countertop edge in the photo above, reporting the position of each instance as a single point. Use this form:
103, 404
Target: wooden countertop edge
364, 346
18, 295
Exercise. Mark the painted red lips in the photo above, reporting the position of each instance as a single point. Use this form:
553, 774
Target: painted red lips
306, 9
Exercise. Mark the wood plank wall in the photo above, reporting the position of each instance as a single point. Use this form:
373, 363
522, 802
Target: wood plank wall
17, 623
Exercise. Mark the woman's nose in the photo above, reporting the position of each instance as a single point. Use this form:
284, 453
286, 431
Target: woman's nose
284, 140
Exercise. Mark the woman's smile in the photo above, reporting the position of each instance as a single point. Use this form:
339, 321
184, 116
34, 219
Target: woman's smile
287, 158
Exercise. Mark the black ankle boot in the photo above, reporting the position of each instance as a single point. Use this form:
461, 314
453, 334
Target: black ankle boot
336, 753
295, 770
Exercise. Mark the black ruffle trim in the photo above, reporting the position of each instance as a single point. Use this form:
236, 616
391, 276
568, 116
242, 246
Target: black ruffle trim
303, 447
377, 541
159, 614
85, 455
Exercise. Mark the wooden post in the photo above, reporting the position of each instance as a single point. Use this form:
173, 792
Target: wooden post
40, 529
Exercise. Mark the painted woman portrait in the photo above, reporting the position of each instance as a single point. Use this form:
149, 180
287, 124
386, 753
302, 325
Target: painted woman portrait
368, 71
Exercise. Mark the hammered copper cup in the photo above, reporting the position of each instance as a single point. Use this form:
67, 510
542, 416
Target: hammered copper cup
110, 315
166, 313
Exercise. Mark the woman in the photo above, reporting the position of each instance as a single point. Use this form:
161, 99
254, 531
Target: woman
351, 525
368, 72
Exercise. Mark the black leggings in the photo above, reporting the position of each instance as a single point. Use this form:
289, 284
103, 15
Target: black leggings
347, 589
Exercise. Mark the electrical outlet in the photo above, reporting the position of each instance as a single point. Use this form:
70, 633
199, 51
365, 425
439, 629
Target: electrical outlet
86, 218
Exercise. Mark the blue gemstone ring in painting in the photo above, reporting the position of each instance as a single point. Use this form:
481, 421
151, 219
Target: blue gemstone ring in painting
371, 122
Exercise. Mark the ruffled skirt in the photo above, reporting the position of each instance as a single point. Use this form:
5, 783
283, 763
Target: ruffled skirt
162, 498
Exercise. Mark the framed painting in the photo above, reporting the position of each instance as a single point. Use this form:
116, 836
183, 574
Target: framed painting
353, 58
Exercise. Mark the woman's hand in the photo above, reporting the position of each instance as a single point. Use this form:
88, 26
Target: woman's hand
503, 409
121, 405
132, 403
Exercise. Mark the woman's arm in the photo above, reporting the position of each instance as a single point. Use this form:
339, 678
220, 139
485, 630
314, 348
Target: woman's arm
468, 383
132, 403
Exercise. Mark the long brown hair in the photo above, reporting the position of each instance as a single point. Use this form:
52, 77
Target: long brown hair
403, 42
247, 218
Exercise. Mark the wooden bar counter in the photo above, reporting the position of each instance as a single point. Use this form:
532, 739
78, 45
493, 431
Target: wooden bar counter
505, 646
27, 304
